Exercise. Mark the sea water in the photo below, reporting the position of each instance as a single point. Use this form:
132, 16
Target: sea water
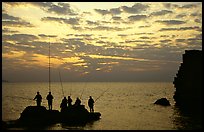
123, 105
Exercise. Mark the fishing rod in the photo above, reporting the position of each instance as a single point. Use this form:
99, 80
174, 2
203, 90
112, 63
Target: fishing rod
49, 68
19, 97
102, 94
61, 83
83, 90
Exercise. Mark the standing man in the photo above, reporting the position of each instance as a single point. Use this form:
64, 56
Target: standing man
69, 101
49, 99
91, 104
38, 99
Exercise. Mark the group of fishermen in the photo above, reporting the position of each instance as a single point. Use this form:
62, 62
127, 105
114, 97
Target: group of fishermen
64, 102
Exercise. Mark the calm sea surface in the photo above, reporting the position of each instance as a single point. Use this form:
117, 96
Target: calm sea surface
124, 106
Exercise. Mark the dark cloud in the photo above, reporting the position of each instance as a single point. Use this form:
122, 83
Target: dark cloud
145, 37
78, 28
50, 7
169, 5
135, 9
146, 26
116, 18
137, 17
8, 20
164, 36
115, 11
49, 36
138, 41
7, 30
19, 37
180, 40
198, 20
83, 35
122, 35
143, 33
165, 41
102, 12
161, 13
71, 21
108, 28
171, 22
181, 15
196, 14
180, 29
189, 6
92, 23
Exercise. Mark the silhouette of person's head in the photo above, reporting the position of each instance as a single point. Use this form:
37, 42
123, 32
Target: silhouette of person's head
49, 92
64, 97
38, 92
90, 97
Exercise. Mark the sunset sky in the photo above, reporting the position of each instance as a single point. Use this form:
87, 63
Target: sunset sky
98, 41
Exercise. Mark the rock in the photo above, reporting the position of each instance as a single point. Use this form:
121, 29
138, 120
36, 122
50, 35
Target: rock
188, 83
163, 102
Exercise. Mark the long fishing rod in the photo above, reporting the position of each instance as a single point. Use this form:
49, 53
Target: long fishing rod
61, 83
83, 90
101, 94
19, 97
49, 68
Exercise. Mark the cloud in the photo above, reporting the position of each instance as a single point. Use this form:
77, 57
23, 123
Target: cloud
135, 9
8, 20
146, 26
180, 29
50, 7
169, 5
171, 22
19, 37
165, 41
181, 15
108, 28
137, 17
189, 6
115, 11
71, 21
7, 30
116, 18
102, 12
198, 20
92, 23
83, 35
49, 36
161, 13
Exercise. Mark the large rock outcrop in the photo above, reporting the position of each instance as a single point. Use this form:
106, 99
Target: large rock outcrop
188, 83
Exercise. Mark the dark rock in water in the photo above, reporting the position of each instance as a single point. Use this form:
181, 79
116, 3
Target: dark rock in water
39, 116
188, 83
162, 101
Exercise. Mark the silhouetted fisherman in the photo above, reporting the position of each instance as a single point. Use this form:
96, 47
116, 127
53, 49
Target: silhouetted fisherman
69, 101
77, 102
63, 104
91, 104
38, 99
49, 99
